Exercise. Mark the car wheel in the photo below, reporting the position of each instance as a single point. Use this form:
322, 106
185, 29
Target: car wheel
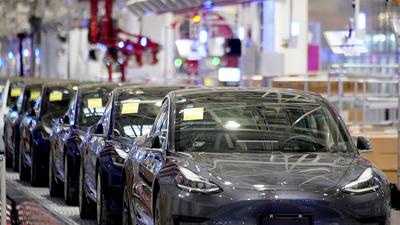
126, 216
86, 209
23, 170
55, 187
100, 202
70, 197
35, 181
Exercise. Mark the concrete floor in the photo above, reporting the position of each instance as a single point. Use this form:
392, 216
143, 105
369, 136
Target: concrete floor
395, 220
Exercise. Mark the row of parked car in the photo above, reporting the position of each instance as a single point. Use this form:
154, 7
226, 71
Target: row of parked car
134, 154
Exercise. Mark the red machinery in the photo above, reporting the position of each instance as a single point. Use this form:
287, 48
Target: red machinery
104, 32
215, 25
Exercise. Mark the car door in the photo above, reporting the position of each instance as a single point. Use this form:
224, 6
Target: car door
62, 132
150, 161
96, 143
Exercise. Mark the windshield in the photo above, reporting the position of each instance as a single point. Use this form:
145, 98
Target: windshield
135, 117
13, 94
55, 103
256, 121
136, 110
26, 101
92, 106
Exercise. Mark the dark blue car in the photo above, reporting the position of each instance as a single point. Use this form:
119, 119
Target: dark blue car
130, 113
85, 109
35, 131
30, 92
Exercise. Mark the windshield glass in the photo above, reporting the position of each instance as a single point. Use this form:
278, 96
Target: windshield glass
137, 109
92, 105
55, 103
26, 101
257, 121
14, 92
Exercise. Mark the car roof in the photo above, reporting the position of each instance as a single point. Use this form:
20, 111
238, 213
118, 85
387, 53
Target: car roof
147, 88
204, 91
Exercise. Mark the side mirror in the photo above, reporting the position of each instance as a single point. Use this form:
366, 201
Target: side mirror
64, 120
363, 144
31, 112
156, 144
98, 129
91, 129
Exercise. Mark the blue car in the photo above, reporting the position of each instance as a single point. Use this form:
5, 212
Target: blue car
129, 113
30, 92
35, 131
85, 109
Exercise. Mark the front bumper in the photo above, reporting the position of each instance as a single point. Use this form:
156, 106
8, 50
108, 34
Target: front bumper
247, 208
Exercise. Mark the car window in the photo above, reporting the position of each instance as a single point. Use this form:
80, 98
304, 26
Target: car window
229, 122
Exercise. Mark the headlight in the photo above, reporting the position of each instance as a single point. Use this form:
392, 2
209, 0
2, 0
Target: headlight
118, 156
189, 181
365, 183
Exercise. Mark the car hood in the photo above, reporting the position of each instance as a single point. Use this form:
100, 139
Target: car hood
253, 171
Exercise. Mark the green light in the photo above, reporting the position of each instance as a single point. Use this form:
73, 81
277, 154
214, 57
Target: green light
178, 62
216, 61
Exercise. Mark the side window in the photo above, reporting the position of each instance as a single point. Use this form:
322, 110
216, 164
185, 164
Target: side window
106, 118
160, 127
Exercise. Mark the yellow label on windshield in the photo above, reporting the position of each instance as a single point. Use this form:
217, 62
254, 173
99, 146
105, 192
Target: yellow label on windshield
95, 103
1, 89
55, 96
193, 114
130, 108
35, 95
15, 92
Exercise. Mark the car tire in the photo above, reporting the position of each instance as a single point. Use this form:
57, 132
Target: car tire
55, 187
101, 215
35, 179
70, 197
23, 170
126, 213
87, 210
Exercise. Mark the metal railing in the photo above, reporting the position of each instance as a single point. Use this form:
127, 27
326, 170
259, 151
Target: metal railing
3, 197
